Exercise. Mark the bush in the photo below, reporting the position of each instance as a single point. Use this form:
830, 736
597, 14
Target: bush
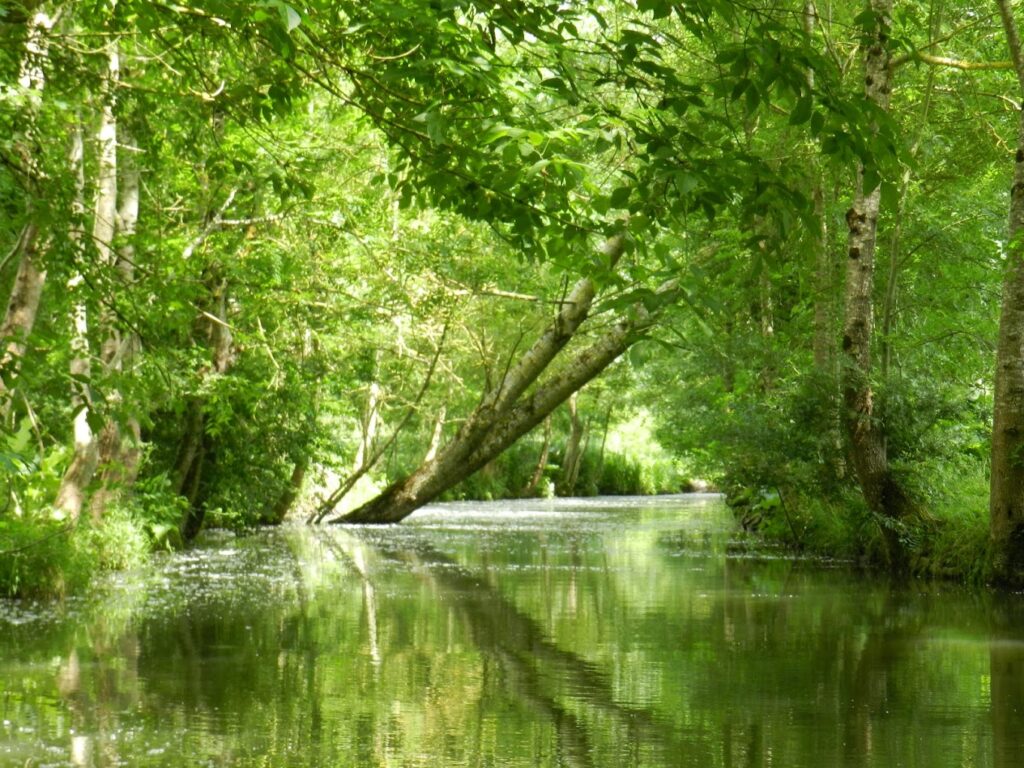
117, 543
42, 558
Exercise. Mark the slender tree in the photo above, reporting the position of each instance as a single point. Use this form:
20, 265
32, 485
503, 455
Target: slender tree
1006, 501
881, 490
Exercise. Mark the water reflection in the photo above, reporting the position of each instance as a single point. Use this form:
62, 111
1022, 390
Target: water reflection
603, 634
1006, 659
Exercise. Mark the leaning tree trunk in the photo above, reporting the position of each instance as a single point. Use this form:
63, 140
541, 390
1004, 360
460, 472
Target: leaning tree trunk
882, 493
23, 301
451, 465
431, 479
22, 307
1006, 502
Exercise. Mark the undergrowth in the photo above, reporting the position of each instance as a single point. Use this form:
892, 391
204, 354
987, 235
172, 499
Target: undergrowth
947, 539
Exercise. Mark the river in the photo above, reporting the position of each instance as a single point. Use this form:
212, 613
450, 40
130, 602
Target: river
603, 632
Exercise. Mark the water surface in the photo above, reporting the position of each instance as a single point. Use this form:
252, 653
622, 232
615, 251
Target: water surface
606, 632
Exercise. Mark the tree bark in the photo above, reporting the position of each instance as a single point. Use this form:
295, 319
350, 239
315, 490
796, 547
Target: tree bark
571, 458
71, 493
881, 491
119, 443
824, 289
1006, 500
542, 461
22, 307
436, 434
823, 344
275, 514
23, 301
369, 425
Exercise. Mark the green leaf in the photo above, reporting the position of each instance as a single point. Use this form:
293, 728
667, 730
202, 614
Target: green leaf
94, 420
753, 99
686, 182
817, 123
537, 167
620, 197
290, 17
801, 112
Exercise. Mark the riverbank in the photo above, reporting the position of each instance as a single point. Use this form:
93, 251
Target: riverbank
948, 539
45, 558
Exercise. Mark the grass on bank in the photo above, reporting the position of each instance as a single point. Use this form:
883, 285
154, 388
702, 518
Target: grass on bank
950, 540
41, 557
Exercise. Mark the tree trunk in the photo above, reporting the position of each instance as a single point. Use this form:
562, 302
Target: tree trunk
427, 482
275, 514
327, 505
477, 442
824, 265
71, 494
119, 444
1006, 501
542, 461
23, 302
195, 447
369, 426
22, 307
435, 436
882, 493
571, 458
824, 301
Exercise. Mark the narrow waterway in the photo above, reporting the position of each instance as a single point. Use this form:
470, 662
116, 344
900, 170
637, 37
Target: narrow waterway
605, 632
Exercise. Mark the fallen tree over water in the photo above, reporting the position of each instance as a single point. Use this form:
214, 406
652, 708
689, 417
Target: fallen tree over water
511, 408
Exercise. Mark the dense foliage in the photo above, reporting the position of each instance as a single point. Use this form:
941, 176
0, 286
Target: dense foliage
264, 258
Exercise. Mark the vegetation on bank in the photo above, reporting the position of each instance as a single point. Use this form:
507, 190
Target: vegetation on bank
258, 254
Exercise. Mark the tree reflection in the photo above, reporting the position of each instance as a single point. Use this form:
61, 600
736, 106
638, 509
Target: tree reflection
1006, 669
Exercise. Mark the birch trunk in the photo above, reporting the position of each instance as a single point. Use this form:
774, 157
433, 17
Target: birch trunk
26, 292
1006, 501
824, 265
119, 444
882, 493
71, 494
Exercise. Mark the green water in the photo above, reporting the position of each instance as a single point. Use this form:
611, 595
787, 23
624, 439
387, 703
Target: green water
633, 632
